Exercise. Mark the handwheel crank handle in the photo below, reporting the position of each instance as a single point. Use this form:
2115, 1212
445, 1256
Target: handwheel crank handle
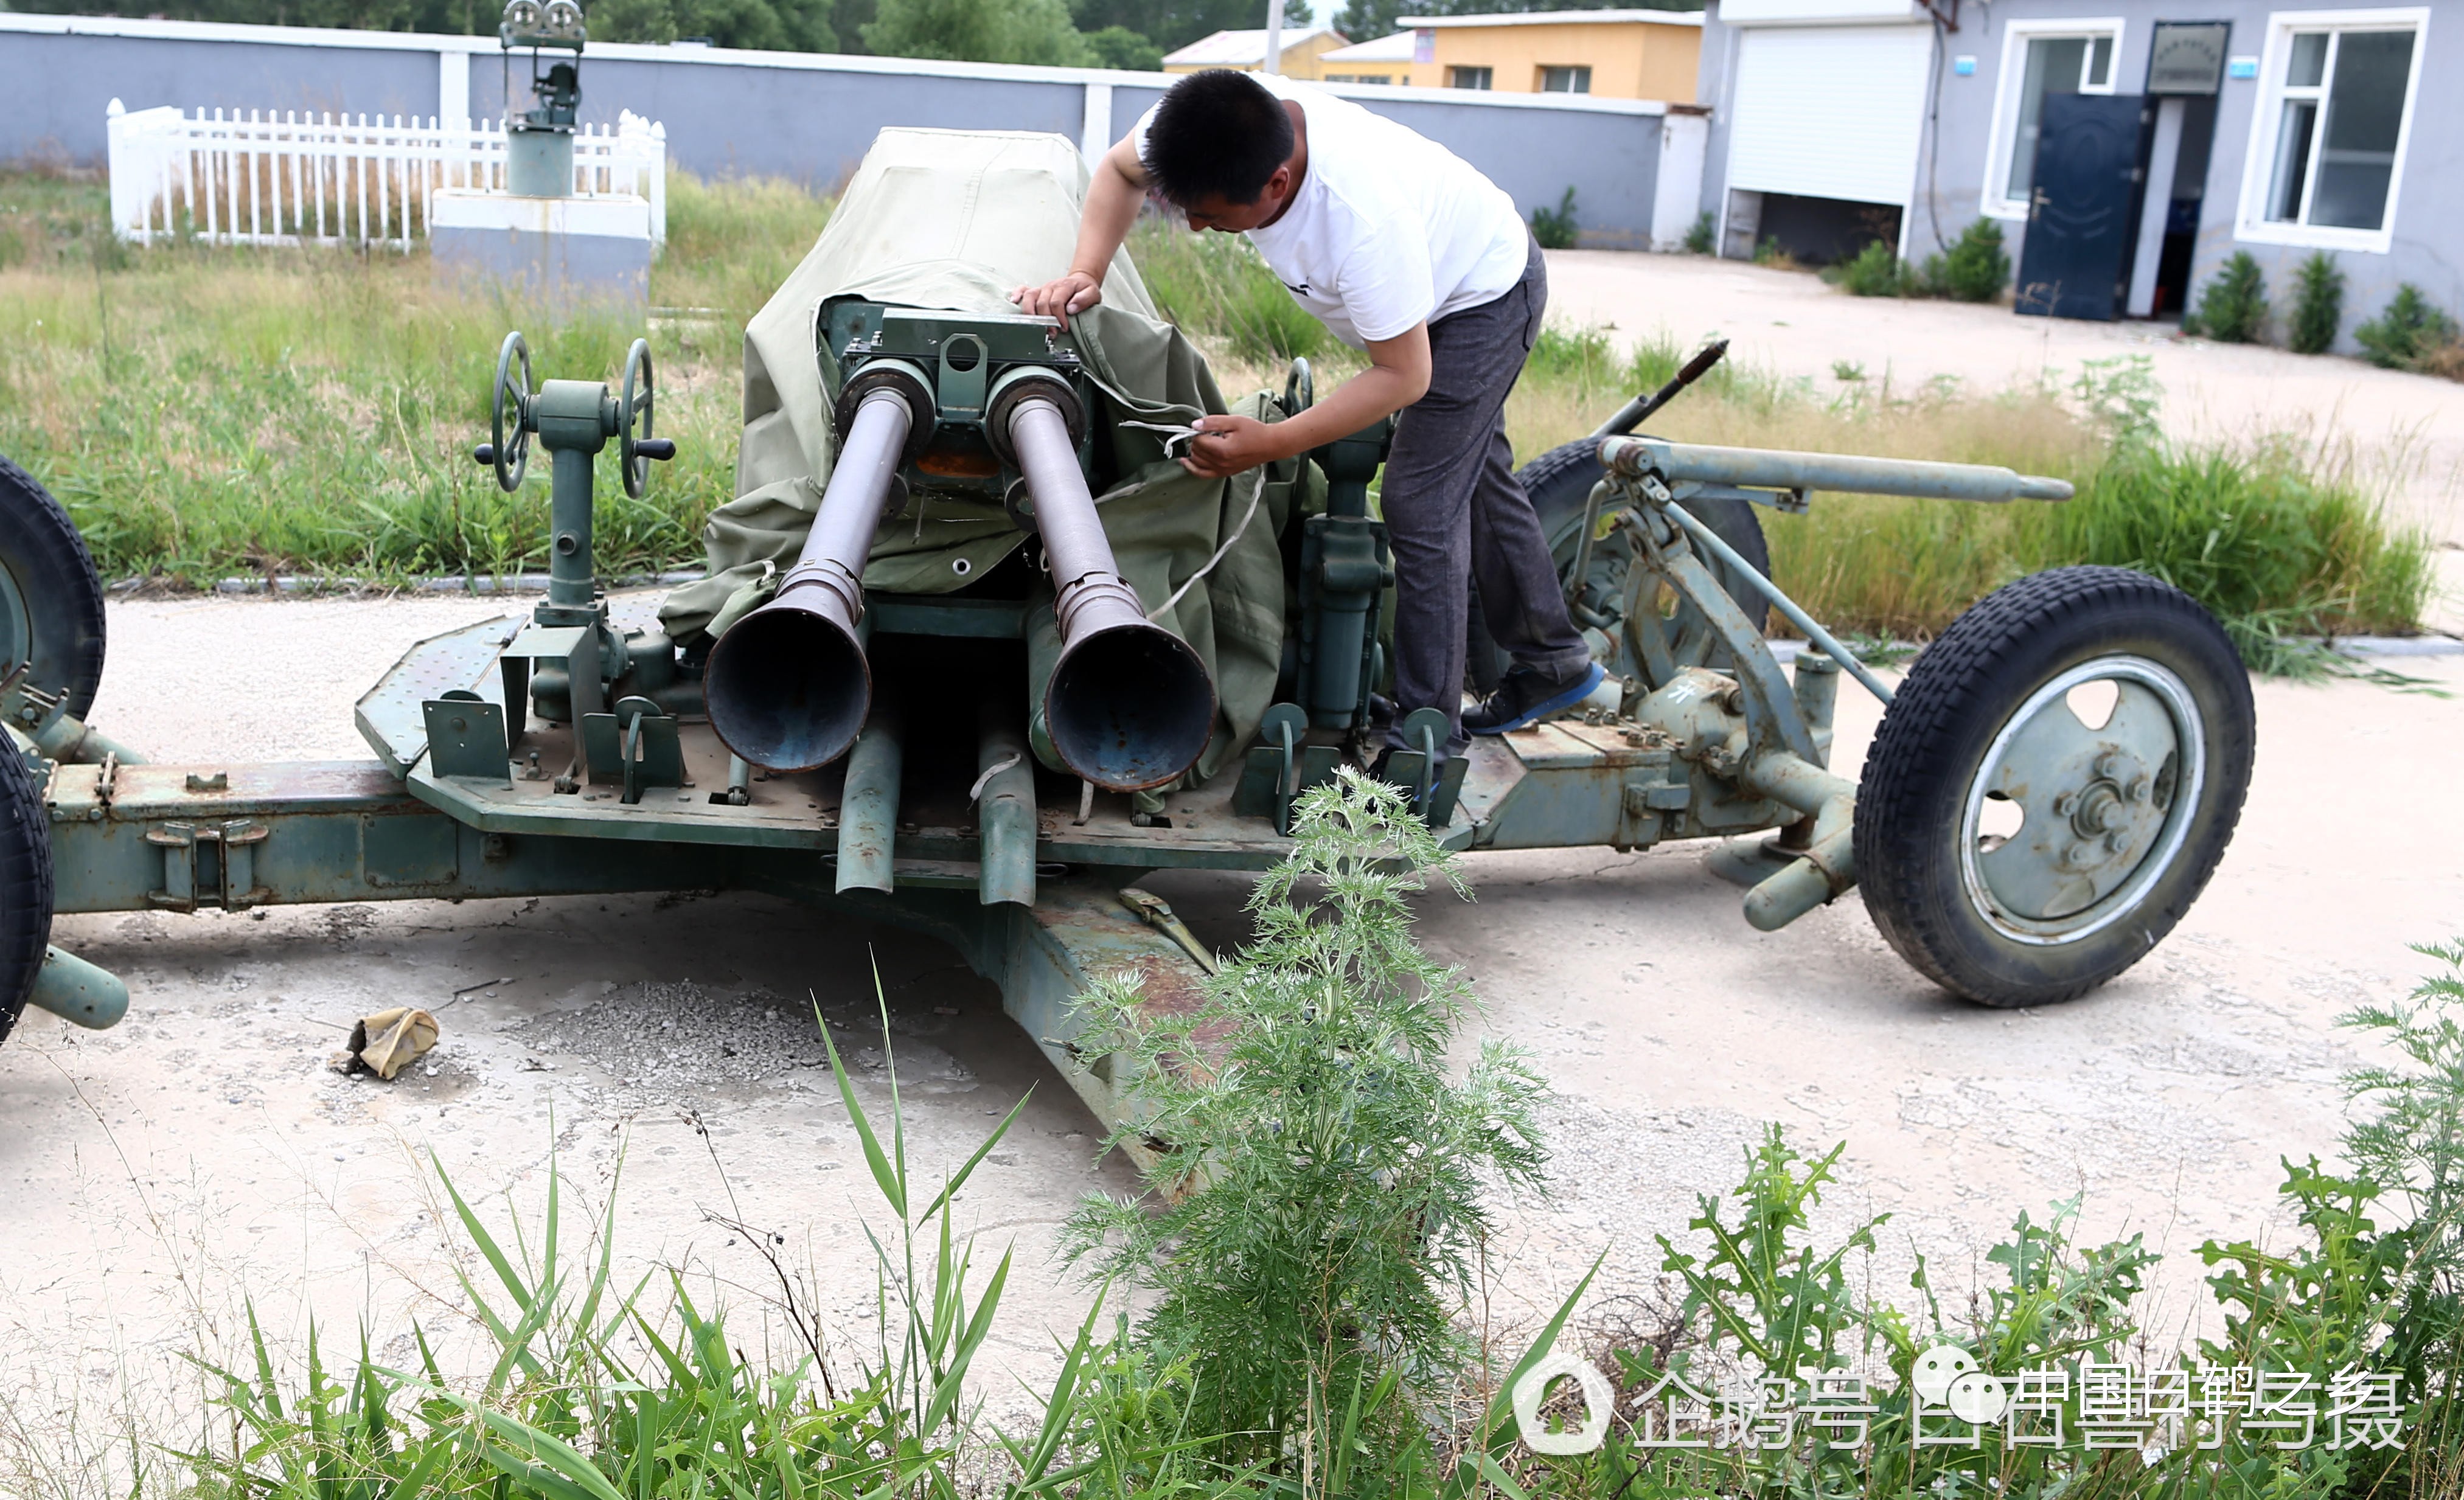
1631, 415
1709, 540
1828, 866
1576, 579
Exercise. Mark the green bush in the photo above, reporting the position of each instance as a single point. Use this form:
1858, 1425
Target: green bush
1555, 228
1699, 238
2254, 538
1326, 1181
2318, 305
1974, 269
2407, 333
2233, 306
1874, 272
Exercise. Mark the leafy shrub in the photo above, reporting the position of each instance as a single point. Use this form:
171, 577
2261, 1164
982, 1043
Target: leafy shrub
2233, 306
1323, 1181
1769, 253
2318, 305
1699, 238
1555, 228
2407, 333
1974, 269
1874, 272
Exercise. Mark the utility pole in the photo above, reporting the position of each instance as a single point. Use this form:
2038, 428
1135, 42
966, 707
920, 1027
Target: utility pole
1274, 35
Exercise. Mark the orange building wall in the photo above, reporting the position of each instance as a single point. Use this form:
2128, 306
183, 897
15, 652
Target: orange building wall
1628, 60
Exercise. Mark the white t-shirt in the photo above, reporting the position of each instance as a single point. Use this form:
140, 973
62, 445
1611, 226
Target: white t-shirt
1388, 229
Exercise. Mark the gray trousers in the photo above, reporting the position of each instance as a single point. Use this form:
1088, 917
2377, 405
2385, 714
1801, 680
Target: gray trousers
1456, 513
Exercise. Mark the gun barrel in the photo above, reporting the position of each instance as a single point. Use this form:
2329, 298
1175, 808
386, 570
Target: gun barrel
788, 685
1130, 705
1845, 473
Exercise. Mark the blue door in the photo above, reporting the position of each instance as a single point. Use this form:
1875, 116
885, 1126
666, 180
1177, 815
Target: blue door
2083, 214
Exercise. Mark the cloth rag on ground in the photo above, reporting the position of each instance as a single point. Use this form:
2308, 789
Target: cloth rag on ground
951, 220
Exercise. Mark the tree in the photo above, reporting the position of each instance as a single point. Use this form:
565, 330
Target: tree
761, 25
978, 30
1119, 47
1176, 23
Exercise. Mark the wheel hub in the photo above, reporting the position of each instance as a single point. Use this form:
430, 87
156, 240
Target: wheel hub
2097, 804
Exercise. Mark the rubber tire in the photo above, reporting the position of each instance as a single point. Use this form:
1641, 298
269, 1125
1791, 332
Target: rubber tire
40, 547
25, 884
1559, 482
1957, 696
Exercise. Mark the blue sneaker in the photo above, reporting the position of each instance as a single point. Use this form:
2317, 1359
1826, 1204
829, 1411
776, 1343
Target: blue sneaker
1525, 697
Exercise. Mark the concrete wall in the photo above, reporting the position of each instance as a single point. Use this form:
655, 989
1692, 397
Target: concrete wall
800, 116
1952, 161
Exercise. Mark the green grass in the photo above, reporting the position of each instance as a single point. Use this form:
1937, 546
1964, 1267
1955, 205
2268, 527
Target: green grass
207, 412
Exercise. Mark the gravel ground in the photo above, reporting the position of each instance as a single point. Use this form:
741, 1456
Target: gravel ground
201, 1154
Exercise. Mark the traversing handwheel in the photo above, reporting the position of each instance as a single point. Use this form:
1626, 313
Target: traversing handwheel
1559, 482
509, 405
2054, 784
634, 419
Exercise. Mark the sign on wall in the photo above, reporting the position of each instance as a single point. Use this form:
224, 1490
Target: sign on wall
2187, 56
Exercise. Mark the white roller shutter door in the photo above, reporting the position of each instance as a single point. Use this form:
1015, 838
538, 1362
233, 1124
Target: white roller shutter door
1830, 111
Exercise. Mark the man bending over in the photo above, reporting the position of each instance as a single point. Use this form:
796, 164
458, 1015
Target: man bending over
1405, 252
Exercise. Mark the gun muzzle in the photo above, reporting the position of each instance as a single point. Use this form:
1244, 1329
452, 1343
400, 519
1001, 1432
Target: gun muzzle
788, 685
1130, 705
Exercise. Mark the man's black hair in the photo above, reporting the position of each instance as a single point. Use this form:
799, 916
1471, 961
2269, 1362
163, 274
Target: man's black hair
1217, 133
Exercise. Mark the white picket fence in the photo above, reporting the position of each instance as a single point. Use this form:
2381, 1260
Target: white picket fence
294, 177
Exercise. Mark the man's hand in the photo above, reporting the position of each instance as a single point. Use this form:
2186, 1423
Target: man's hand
1071, 294
1230, 445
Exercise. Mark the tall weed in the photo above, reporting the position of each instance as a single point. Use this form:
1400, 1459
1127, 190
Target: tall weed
1323, 1182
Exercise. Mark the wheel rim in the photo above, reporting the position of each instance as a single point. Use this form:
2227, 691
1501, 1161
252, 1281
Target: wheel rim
17, 626
2104, 809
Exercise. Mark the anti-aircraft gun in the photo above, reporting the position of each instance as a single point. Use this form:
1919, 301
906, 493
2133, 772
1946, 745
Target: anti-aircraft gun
998, 761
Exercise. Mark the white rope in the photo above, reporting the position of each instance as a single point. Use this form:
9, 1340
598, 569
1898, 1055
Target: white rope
975, 792
1257, 493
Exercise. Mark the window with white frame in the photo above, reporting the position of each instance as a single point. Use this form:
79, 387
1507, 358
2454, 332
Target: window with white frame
1576, 80
2327, 142
2039, 59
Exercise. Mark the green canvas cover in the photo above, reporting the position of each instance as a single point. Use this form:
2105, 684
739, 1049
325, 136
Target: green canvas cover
951, 220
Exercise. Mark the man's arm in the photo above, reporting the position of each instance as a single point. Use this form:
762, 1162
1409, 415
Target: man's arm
1398, 375
1113, 196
